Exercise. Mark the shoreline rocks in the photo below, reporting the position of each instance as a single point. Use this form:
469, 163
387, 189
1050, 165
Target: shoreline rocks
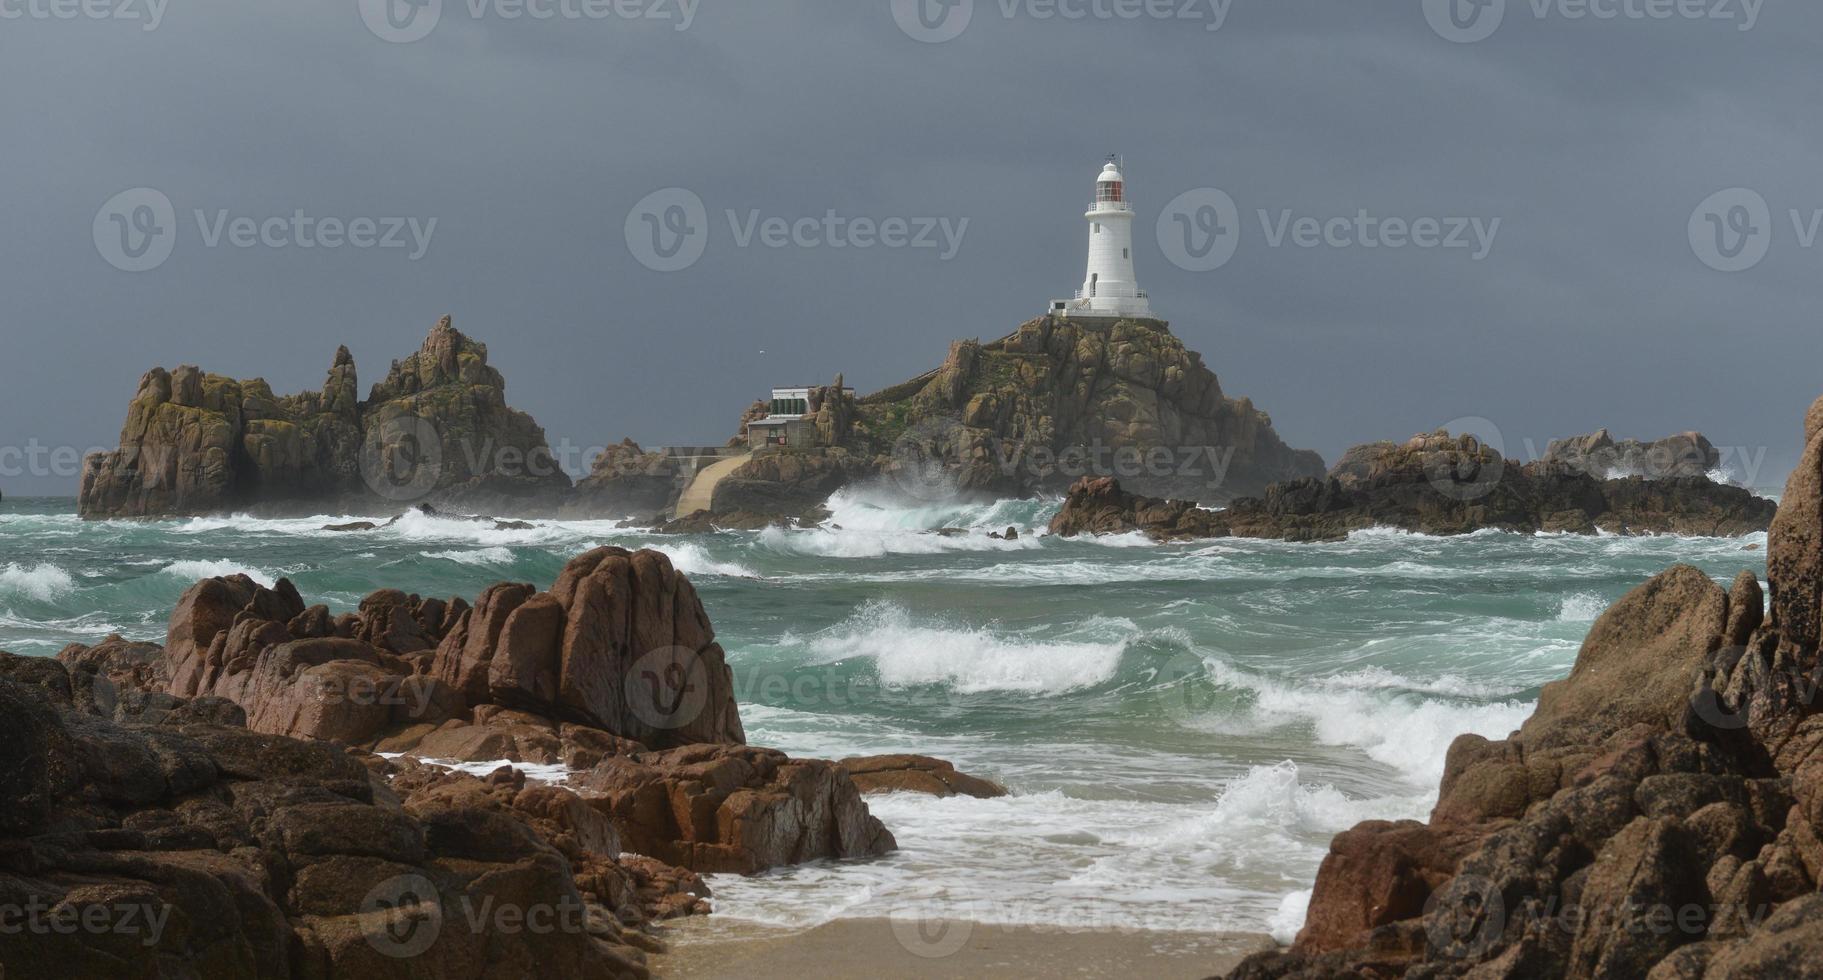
228, 781
1433, 484
1655, 817
204, 849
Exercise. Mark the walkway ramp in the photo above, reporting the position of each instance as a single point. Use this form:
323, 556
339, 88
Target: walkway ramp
701, 491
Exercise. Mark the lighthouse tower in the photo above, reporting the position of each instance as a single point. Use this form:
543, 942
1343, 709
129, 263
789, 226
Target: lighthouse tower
1110, 289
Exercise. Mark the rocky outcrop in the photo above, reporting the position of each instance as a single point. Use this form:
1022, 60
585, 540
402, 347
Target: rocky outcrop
613, 672
620, 644
190, 848
1100, 506
917, 774
1599, 455
626, 479
436, 428
1060, 399
735, 808
788, 484
1656, 816
1432, 484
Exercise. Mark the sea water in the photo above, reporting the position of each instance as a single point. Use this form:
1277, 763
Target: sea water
1182, 727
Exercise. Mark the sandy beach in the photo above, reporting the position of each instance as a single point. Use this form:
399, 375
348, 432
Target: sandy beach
885, 948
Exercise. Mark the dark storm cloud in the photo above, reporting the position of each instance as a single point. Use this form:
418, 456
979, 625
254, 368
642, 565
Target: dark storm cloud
1590, 140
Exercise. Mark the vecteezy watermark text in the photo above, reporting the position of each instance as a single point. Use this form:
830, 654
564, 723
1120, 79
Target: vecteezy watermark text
1200, 230
136, 230
937, 21
38, 916
147, 13
669, 230
1469, 21
405, 21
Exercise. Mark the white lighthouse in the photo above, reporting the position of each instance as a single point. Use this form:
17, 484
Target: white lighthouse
1110, 289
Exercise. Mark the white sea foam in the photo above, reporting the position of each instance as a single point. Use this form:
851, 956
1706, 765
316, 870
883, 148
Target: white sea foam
193, 569
1219, 863
500, 555
43, 581
1583, 607
970, 659
694, 559
1408, 733
1289, 919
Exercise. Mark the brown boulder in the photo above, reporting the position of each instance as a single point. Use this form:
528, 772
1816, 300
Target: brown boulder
916, 774
1794, 551
1378, 873
1641, 658
1097, 505
734, 808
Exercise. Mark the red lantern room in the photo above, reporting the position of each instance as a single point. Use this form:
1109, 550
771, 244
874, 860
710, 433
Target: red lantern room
1111, 188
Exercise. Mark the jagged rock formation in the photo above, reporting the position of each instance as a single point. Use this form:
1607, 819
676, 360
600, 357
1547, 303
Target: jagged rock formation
1600, 456
437, 428
626, 479
155, 843
615, 669
1433, 484
789, 484
1060, 399
1657, 816
917, 774
1099, 506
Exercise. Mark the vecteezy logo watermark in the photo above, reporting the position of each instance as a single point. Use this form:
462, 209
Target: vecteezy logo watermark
147, 13
1465, 918
1471, 464
934, 925
1731, 231
1186, 689
405, 21
1465, 21
921, 458
936, 21
668, 688
401, 21
403, 916
402, 457
669, 230
933, 21
1469, 21
137, 229
1200, 230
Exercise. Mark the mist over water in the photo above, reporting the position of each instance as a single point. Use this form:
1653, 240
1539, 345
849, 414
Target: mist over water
1183, 727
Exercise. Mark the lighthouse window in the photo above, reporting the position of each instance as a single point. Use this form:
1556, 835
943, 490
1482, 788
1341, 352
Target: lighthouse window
1097, 227
1109, 191
1126, 253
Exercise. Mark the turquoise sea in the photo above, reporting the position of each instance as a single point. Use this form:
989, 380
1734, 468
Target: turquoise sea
1183, 727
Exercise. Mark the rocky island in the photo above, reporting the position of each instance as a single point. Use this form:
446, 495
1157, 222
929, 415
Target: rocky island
1056, 405
436, 429
1020, 415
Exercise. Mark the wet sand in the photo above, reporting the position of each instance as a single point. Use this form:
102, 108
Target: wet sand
708, 949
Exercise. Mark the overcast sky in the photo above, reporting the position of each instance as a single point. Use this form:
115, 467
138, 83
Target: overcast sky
1603, 296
